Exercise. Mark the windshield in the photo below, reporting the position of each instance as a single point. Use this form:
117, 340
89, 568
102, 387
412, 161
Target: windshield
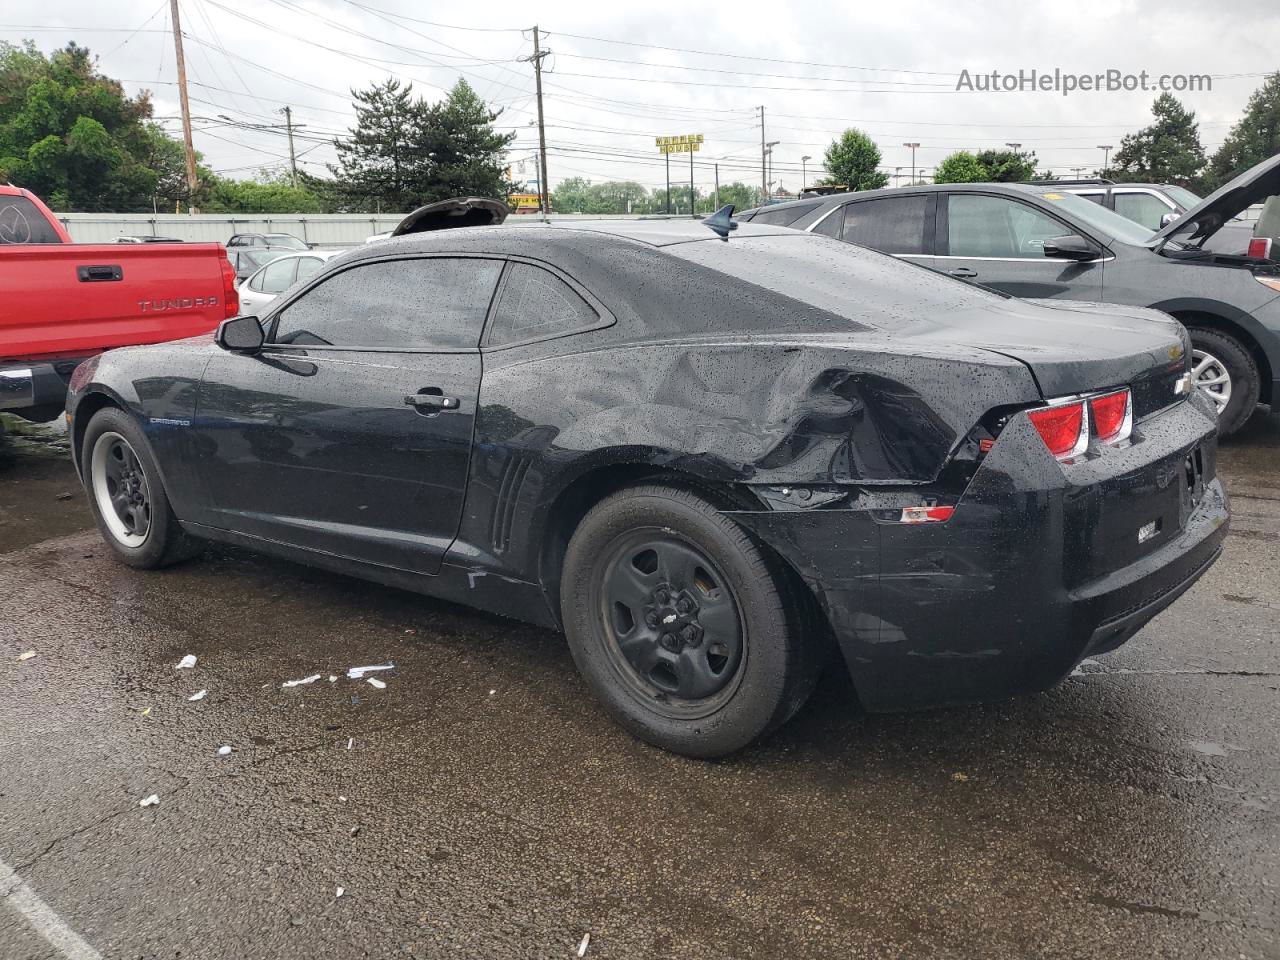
1105, 221
286, 240
1182, 197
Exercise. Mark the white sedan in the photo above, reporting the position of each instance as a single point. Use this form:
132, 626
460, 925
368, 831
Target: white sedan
279, 275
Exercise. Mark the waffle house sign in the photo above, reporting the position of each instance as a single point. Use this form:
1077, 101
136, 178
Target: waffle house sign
685, 143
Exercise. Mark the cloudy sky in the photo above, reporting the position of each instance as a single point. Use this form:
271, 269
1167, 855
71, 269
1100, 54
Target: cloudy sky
619, 75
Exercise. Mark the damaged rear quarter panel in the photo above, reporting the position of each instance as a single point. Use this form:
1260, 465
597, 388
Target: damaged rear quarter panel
797, 409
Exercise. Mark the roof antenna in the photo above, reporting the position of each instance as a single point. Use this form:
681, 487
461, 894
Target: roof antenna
722, 221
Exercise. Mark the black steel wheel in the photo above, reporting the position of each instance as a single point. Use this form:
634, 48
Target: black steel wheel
127, 495
691, 633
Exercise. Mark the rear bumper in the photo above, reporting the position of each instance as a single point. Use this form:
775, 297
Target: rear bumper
36, 391
1010, 594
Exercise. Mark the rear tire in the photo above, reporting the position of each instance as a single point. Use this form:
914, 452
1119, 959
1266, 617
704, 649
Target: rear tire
1216, 356
127, 496
688, 631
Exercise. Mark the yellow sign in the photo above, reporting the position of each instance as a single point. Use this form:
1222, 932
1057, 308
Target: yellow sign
685, 143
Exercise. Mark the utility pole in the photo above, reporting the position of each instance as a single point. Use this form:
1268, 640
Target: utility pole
768, 180
717, 187
913, 161
293, 160
1077, 171
1106, 154
764, 172
192, 183
693, 198
543, 186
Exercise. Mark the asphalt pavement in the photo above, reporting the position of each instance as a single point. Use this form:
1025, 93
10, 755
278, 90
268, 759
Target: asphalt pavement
481, 804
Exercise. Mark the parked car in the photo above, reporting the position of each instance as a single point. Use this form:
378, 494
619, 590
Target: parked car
285, 241
278, 276
61, 302
1038, 241
700, 457
246, 261
1154, 205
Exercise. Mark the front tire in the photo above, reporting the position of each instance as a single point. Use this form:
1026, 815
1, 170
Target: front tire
127, 496
1223, 369
689, 633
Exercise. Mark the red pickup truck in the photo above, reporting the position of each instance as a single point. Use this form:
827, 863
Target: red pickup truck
62, 302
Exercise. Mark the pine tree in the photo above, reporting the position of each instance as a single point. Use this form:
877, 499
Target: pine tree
1254, 139
467, 156
1167, 151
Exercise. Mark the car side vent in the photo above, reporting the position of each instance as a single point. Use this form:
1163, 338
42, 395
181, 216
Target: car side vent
503, 518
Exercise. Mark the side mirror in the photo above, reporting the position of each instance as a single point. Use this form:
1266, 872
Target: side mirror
1168, 218
1070, 247
240, 335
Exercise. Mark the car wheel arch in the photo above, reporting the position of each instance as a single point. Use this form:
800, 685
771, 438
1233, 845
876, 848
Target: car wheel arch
577, 498
1216, 321
89, 405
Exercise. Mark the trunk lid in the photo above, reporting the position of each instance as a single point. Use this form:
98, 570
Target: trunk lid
1076, 347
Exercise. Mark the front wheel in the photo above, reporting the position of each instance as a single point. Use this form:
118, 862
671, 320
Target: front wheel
686, 630
1224, 371
127, 496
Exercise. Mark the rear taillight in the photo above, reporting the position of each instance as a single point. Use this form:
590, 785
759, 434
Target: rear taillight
1113, 415
1260, 248
1064, 428
230, 295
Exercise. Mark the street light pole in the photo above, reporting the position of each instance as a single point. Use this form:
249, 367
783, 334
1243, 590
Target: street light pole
804, 173
1106, 154
913, 161
768, 179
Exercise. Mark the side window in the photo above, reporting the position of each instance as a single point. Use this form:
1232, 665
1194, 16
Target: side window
277, 277
1096, 196
1143, 208
308, 267
426, 303
979, 226
537, 303
785, 216
832, 225
890, 225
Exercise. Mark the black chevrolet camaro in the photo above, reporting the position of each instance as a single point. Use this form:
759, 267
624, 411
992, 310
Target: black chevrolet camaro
704, 456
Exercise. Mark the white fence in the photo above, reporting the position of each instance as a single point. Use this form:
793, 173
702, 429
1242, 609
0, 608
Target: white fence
319, 230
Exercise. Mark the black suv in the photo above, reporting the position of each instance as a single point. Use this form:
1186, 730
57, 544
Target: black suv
1039, 241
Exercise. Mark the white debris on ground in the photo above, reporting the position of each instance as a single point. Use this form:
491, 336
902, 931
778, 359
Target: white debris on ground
186, 663
198, 695
1080, 670
333, 678
375, 683
224, 751
586, 942
150, 801
341, 891
26, 656
357, 673
297, 683
350, 742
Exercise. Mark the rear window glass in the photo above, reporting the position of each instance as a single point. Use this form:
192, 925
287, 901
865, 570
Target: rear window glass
22, 222
784, 216
835, 277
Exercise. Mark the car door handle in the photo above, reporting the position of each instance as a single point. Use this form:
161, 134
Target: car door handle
431, 401
964, 272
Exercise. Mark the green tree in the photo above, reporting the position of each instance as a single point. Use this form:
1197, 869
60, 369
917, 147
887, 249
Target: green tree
852, 160
1007, 166
69, 133
961, 167
741, 195
269, 193
1254, 139
1167, 151
404, 151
